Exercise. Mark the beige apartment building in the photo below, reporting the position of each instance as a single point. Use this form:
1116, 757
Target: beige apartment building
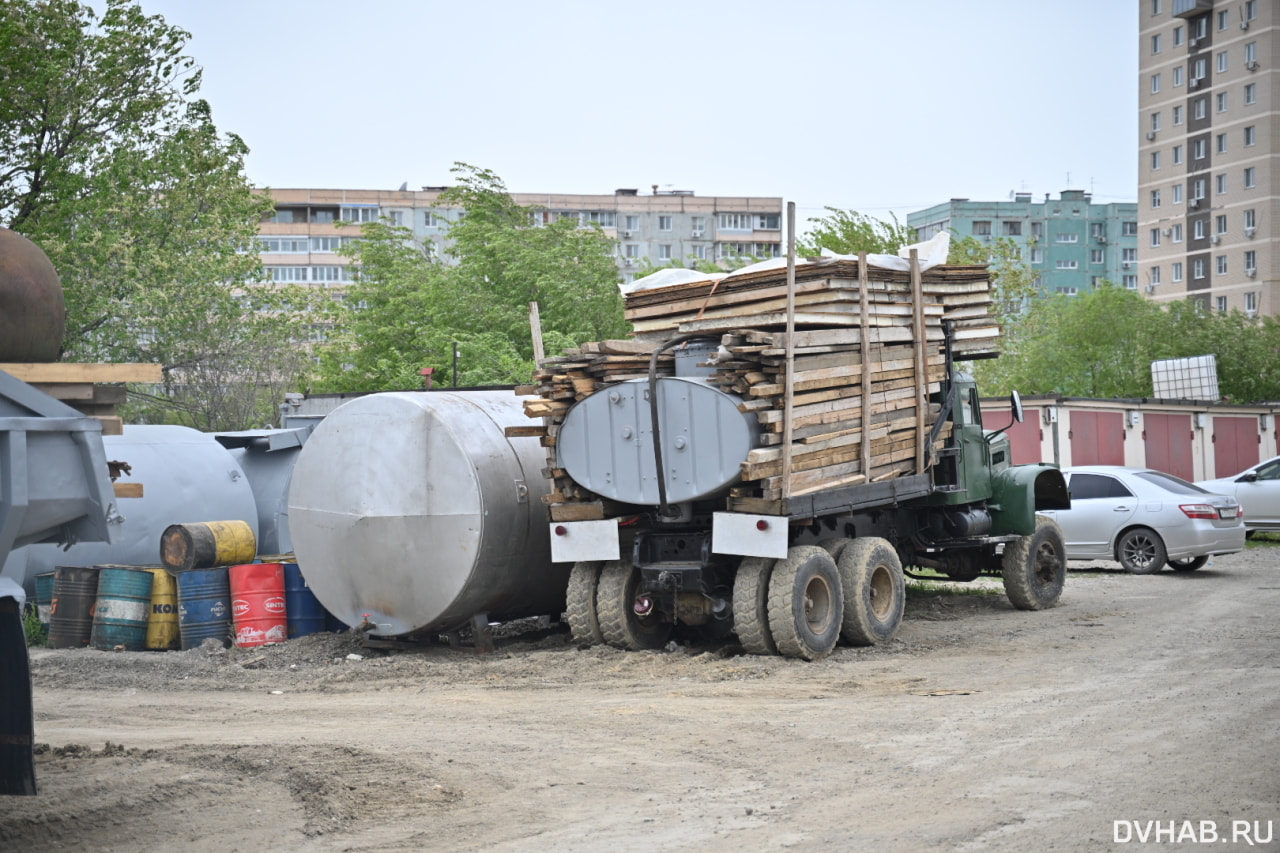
1208, 184
300, 242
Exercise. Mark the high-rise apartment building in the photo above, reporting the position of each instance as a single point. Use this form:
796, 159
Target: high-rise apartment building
300, 242
1207, 176
1070, 243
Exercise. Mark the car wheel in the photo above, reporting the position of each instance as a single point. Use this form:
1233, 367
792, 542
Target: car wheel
1141, 551
1189, 565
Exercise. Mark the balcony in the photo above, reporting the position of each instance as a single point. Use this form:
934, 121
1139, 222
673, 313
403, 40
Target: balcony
1191, 8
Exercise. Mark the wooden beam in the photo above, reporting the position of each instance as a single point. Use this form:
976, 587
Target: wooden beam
61, 372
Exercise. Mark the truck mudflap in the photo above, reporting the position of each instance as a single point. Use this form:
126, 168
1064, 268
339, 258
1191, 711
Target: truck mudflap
749, 535
584, 541
1018, 492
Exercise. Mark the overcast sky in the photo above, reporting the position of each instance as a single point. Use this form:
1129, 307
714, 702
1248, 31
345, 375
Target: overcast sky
872, 105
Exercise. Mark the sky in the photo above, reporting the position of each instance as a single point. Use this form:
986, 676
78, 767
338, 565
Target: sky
884, 107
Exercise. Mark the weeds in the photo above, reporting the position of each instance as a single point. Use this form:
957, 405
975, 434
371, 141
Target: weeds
37, 634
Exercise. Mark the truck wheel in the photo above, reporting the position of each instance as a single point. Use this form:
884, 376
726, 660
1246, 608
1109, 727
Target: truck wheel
751, 605
1035, 567
835, 547
1141, 551
805, 603
580, 604
1188, 565
616, 614
875, 592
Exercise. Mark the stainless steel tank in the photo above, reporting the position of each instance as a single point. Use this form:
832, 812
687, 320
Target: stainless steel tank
186, 476
416, 510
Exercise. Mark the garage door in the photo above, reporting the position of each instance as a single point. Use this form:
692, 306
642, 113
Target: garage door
1235, 446
1097, 438
1168, 444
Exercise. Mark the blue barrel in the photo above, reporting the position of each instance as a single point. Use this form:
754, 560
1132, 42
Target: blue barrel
44, 597
75, 588
204, 606
305, 612
123, 609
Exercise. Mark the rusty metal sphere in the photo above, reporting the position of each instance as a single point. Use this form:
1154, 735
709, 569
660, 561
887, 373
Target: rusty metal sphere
33, 314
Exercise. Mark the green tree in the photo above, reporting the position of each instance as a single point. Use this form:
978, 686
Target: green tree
113, 167
847, 232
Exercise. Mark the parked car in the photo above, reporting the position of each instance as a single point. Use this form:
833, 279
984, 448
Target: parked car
1145, 519
1258, 490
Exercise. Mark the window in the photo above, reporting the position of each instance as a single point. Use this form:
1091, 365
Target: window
1066, 265
1154, 277
768, 222
1129, 255
1179, 36
430, 220
1200, 108
325, 244
1155, 237
1037, 230
358, 214
1221, 262
1177, 155
631, 250
1197, 229
1155, 160
325, 216
633, 223
395, 217
1224, 19
982, 228
1177, 232
1251, 52
1128, 229
699, 226
1066, 291
287, 273
1199, 69
1197, 268
1155, 43
1222, 102
603, 218
1155, 85
1220, 223
1249, 219
1222, 143
1155, 120
1222, 62
1095, 256
1250, 136
1250, 10
1177, 193
1129, 281
664, 251
1091, 486
1220, 187
734, 222
700, 252
1250, 178
664, 223
1221, 304
1176, 270
1200, 27
1198, 188
1251, 260
1251, 303
1037, 256
1012, 229
1155, 198
1251, 93
286, 245
1098, 229
1177, 116
1199, 149
1067, 238
1177, 76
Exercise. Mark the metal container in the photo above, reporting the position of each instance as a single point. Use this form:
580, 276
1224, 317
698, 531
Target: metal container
162, 622
257, 604
204, 607
187, 476
33, 313
415, 509
306, 613
205, 544
75, 590
44, 597
267, 457
123, 609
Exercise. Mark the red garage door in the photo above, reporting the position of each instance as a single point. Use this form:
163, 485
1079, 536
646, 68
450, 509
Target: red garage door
1168, 443
1025, 438
1235, 446
1097, 438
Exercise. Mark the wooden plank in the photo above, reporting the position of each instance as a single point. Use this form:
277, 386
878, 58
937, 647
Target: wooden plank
111, 425
525, 431
917, 298
589, 511
61, 371
127, 490
866, 366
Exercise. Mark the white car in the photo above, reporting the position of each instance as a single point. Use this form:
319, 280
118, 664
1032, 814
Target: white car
1258, 490
1145, 518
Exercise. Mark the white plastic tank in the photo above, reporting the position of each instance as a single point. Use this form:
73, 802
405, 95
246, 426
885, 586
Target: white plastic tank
415, 510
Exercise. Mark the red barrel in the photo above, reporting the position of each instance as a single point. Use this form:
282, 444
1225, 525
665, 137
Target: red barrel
257, 604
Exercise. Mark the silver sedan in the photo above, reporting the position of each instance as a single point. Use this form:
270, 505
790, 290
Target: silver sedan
1145, 519
1258, 490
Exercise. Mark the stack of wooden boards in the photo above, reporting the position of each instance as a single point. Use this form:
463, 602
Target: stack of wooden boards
866, 354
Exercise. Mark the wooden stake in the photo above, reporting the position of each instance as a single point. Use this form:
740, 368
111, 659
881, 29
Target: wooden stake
535, 326
864, 303
789, 397
922, 381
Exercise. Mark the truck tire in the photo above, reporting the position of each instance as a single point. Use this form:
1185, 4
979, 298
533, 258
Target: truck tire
751, 605
875, 592
835, 547
616, 615
1035, 567
805, 603
580, 604
1141, 551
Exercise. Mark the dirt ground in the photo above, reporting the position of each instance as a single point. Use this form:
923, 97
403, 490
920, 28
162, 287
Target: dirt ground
1151, 701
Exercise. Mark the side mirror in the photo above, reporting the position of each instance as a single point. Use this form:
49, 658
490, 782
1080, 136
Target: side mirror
1251, 477
1015, 403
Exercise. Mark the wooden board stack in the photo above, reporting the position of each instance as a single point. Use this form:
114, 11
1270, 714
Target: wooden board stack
851, 422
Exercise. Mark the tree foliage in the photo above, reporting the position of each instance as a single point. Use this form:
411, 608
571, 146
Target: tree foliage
847, 232
409, 309
112, 166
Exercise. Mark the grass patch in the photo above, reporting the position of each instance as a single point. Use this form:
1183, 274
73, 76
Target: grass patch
1263, 539
37, 634
935, 583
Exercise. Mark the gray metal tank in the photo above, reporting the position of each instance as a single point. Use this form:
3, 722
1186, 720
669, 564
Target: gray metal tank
186, 476
267, 457
415, 509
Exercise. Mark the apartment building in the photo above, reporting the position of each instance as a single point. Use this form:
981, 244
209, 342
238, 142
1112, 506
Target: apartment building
299, 243
1207, 177
1071, 243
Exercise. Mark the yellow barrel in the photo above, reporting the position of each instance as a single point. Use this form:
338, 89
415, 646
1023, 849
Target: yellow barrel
162, 627
205, 544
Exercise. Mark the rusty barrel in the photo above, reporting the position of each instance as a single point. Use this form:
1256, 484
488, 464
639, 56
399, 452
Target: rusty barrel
205, 544
162, 621
122, 610
75, 589
258, 608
